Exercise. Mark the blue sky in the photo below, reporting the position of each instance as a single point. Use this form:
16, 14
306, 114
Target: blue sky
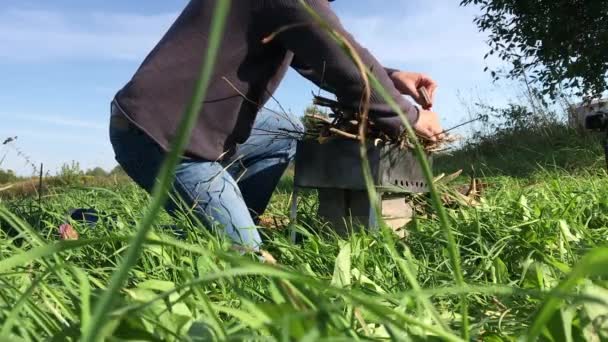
61, 62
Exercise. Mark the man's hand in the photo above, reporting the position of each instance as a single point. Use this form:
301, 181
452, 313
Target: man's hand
428, 126
409, 82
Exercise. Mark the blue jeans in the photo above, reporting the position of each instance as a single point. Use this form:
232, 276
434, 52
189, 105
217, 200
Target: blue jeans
229, 195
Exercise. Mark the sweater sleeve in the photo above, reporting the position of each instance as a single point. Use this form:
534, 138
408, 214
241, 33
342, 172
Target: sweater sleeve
309, 73
318, 57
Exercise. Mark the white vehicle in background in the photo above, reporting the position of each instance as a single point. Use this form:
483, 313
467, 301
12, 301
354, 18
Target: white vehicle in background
593, 117
580, 112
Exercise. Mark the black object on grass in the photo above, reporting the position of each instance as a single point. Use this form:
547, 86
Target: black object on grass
91, 217
88, 216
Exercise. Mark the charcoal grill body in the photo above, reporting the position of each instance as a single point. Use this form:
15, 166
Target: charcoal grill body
337, 164
335, 169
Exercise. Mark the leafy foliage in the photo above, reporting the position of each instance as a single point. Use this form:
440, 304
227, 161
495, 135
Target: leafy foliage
556, 43
511, 119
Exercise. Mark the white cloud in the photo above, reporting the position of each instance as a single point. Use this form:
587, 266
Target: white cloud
65, 137
436, 31
56, 120
417, 31
31, 35
55, 37
437, 37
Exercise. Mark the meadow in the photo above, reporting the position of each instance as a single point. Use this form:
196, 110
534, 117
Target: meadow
532, 254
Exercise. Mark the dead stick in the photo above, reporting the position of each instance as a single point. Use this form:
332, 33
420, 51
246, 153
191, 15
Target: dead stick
459, 125
424, 96
320, 118
274, 34
343, 134
40, 186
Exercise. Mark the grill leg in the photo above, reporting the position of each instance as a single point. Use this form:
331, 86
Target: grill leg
293, 215
373, 219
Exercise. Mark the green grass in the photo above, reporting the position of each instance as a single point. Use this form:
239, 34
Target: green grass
516, 247
522, 153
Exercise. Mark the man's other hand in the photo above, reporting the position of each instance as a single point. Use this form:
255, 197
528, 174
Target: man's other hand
428, 126
409, 82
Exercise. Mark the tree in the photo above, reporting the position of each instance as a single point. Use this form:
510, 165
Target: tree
118, 171
97, 172
557, 43
7, 176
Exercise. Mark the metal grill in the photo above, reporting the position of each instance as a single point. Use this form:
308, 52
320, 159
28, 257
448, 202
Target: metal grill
337, 164
334, 169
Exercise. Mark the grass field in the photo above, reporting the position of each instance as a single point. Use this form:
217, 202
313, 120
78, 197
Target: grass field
532, 253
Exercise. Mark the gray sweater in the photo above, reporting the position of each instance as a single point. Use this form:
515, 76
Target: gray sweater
156, 97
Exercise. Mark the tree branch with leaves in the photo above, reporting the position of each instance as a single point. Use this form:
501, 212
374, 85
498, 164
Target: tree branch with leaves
554, 44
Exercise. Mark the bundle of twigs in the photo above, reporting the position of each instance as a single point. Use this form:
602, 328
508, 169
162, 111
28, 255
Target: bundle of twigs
344, 123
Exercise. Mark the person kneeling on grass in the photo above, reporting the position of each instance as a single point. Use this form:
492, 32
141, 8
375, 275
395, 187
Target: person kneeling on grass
236, 155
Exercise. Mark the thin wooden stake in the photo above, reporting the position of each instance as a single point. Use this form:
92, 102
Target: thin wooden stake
40, 186
39, 195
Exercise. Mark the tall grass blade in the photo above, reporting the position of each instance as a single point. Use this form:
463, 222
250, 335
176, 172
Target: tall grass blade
369, 78
160, 192
437, 203
10, 321
593, 264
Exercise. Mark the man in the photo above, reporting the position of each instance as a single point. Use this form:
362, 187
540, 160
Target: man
236, 157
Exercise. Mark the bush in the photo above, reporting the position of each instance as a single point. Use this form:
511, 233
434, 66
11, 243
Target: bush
516, 141
70, 174
512, 119
8, 176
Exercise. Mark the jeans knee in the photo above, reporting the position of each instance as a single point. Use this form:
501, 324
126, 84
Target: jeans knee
293, 131
280, 123
284, 130
296, 125
291, 150
294, 142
